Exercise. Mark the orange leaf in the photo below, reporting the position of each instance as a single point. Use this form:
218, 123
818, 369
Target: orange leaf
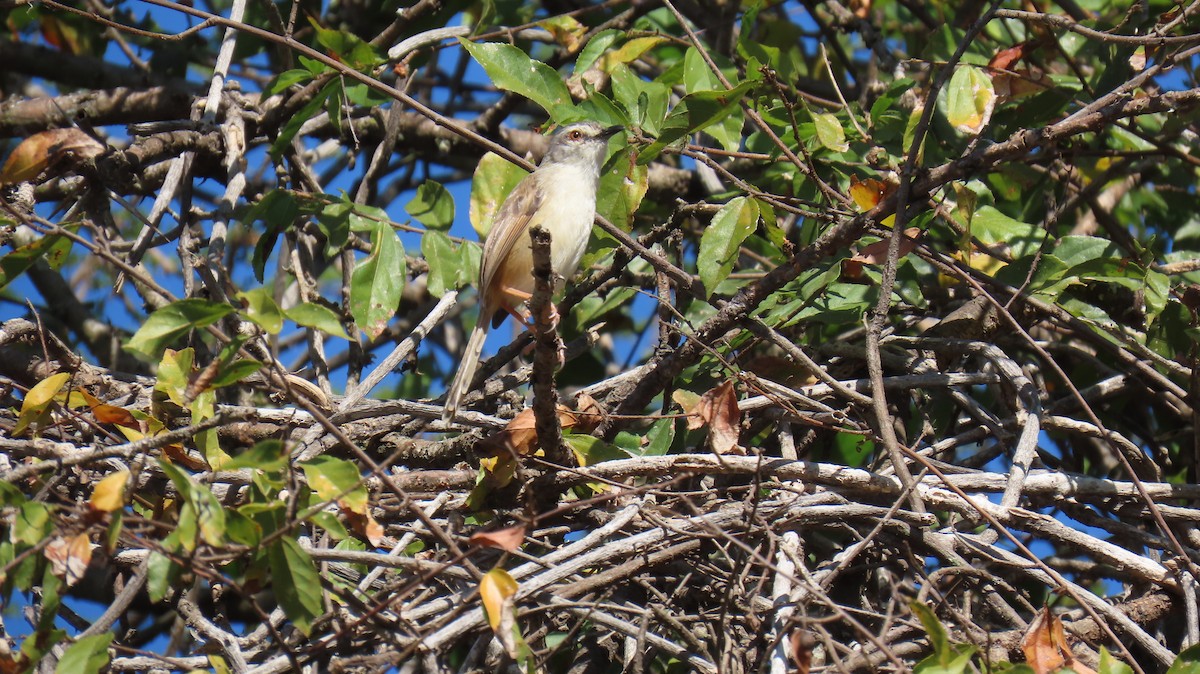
868, 193
111, 414
508, 538
177, 454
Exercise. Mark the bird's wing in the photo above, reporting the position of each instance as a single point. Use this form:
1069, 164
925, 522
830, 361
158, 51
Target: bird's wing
512, 221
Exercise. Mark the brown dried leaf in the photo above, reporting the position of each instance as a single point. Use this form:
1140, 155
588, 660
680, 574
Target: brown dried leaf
801, 643
1018, 83
364, 525
876, 253
519, 437
69, 557
718, 409
508, 539
1046, 648
1137, 60
1006, 58
589, 413
56, 148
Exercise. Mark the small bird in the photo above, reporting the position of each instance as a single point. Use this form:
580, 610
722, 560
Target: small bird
560, 196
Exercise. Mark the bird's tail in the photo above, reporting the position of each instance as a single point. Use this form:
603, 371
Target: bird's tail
466, 369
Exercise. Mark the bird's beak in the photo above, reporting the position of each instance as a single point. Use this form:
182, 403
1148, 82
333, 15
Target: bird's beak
611, 131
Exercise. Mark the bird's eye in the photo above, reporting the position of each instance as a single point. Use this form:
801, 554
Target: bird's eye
575, 135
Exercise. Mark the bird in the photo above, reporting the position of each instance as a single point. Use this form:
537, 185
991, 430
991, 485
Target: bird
560, 196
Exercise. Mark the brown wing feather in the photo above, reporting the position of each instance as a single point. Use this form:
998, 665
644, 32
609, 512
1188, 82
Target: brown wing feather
516, 212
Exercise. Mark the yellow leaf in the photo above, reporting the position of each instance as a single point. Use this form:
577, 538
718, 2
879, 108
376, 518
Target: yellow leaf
496, 590
38, 399
970, 99
41, 394
630, 51
109, 494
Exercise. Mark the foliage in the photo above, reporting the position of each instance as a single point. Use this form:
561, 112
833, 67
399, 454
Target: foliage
883, 354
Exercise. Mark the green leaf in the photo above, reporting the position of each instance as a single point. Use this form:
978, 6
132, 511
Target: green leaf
347, 47
37, 400
172, 322
334, 221
970, 99
21, 259
161, 576
723, 238
432, 206
599, 44
946, 658
377, 282
933, 627
592, 307
660, 438
591, 450
621, 191
241, 528
269, 455
697, 76
645, 102
630, 51
495, 177
278, 210
317, 317
337, 480
37, 645
993, 227
1188, 661
32, 524
512, 70
1110, 665
696, 112
261, 309
284, 80
297, 584
234, 372
445, 266
86, 656
174, 373
829, 131
297, 120
207, 510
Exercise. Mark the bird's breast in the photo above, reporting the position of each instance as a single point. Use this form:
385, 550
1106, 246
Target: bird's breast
567, 214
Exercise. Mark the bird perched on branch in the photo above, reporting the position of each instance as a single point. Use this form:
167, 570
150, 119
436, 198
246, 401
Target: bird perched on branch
560, 196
